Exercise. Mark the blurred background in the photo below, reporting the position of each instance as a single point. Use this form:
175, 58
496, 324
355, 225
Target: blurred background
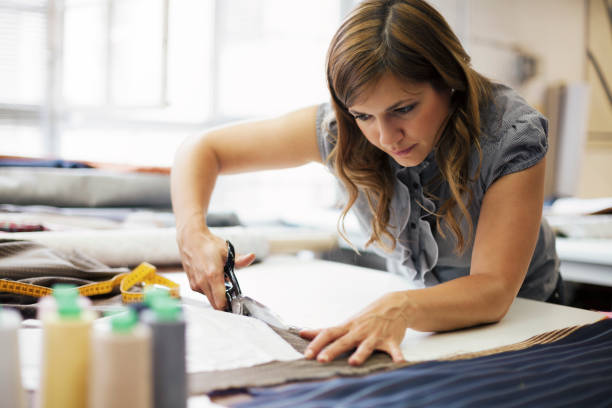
127, 80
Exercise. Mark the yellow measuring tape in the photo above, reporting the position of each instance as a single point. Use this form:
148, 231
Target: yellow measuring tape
144, 273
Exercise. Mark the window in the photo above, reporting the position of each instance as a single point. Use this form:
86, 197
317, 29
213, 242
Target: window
127, 80
23, 74
104, 79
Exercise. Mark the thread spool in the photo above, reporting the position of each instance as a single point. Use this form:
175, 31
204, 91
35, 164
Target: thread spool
47, 305
121, 355
169, 372
66, 347
11, 389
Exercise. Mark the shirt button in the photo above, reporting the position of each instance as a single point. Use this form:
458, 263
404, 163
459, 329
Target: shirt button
413, 225
415, 186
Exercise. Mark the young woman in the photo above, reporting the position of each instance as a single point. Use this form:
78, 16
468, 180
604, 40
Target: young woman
444, 170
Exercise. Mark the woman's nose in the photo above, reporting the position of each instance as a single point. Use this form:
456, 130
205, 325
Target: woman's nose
388, 133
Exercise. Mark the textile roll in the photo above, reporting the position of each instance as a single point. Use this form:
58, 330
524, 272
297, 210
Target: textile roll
121, 374
11, 389
130, 247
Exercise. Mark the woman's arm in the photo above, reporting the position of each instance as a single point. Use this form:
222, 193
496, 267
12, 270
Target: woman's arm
505, 239
286, 141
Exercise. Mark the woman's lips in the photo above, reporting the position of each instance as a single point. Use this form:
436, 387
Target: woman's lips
404, 152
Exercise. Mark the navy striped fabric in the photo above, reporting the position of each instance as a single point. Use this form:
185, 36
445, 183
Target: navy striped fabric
575, 371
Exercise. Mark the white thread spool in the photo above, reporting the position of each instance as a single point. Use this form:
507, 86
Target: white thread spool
11, 389
121, 375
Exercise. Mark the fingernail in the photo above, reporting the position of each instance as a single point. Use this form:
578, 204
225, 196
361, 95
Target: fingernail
308, 353
323, 358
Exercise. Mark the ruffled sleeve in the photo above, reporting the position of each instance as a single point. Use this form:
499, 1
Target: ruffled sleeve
514, 146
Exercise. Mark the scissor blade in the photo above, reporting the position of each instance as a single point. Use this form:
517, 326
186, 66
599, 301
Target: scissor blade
247, 306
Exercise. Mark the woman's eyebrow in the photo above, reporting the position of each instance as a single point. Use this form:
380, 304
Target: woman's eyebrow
390, 108
399, 103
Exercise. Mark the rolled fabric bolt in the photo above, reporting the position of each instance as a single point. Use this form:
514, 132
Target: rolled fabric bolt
11, 389
121, 375
169, 369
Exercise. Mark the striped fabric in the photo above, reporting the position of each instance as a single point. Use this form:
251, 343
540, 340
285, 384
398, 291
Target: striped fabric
572, 368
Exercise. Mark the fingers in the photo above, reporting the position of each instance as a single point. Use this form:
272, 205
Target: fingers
198, 282
365, 350
244, 260
203, 260
330, 343
367, 347
345, 343
396, 353
309, 334
216, 282
324, 338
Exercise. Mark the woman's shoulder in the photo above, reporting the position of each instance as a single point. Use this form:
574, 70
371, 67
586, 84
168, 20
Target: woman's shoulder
514, 134
505, 110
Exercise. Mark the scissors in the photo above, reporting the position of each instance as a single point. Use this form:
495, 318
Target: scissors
237, 303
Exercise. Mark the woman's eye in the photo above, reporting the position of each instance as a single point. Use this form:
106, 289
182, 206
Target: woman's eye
362, 117
406, 109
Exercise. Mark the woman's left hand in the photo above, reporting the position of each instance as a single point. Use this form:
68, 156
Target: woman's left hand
381, 326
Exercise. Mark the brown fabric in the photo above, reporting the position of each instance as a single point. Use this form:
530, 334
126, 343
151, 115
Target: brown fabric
27, 259
30, 262
281, 372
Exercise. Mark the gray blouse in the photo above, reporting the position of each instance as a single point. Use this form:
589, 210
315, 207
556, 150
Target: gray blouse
513, 139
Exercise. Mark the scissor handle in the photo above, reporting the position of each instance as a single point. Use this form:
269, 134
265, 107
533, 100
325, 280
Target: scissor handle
232, 288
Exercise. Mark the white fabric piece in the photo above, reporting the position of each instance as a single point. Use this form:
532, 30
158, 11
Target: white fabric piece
315, 293
222, 341
215, 341
526, 318
130, 247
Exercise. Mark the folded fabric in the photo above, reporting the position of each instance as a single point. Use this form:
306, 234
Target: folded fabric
575, 370
30, 262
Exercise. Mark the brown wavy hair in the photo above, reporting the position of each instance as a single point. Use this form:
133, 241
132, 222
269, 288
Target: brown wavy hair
410, 40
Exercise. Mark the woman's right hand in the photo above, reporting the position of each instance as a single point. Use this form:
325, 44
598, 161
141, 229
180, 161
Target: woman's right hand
203, 255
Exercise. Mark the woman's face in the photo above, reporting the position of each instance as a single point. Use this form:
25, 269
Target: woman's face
401, 118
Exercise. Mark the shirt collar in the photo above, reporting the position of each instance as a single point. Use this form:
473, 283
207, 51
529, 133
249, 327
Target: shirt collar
418, 169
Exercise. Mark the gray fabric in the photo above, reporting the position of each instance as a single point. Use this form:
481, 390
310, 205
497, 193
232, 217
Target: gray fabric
513, 139
83, 188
